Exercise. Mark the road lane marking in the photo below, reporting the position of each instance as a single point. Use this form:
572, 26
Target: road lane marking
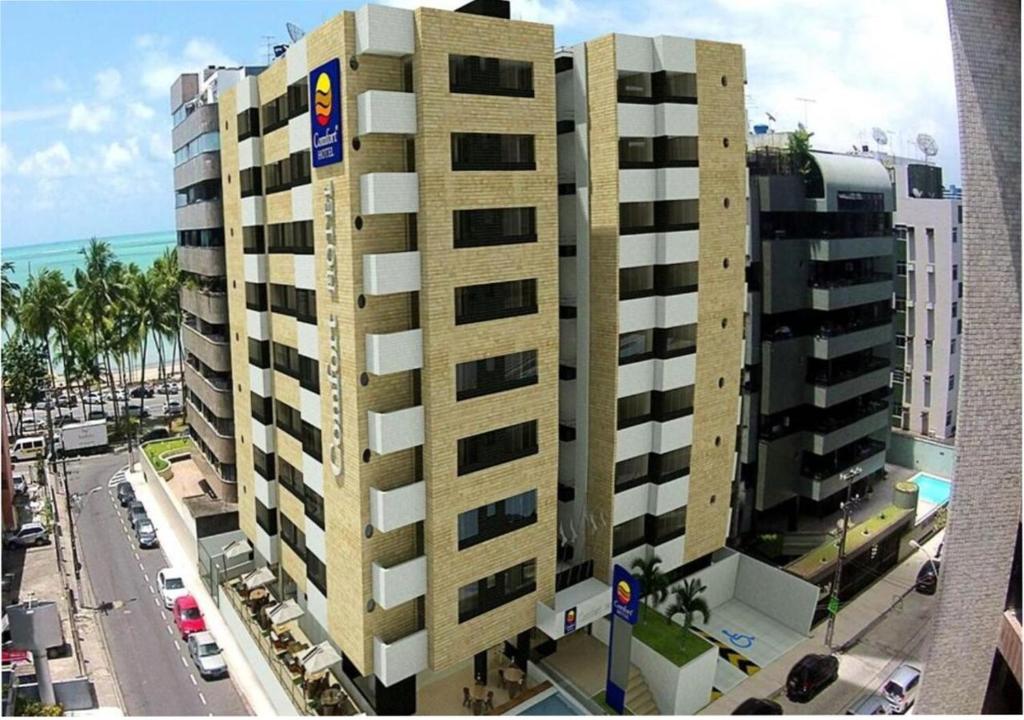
177, 645
169, 631
151, 588
183, 661
157, 601
138, 558
146, 576
202, 699
142, 567
193, 679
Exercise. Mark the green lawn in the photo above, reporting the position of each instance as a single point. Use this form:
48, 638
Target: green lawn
813, 561
668, 639
599, 699
154, 450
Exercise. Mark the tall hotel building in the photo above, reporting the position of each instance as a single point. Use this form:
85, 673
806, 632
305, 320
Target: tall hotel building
415, 210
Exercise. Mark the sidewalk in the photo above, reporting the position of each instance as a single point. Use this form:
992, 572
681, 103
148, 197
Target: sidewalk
854, 620
170, 530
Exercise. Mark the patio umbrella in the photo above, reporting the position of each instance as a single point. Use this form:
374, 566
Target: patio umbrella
319, 657
259, 576
283, 612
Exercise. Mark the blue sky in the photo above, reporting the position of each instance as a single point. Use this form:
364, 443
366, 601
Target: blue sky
84, 102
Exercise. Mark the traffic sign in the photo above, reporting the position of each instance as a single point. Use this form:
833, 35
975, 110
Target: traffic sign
833, 606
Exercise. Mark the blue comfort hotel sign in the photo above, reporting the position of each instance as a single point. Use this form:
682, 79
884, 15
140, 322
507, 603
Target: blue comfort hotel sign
325, 119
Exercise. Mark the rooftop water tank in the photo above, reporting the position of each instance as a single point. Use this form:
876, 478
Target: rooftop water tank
760, 129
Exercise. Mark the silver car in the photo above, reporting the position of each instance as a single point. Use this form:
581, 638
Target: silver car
872, 705
206, 655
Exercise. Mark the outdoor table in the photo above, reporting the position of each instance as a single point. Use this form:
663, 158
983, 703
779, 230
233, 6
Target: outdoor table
330, 696
514, 677
478, 692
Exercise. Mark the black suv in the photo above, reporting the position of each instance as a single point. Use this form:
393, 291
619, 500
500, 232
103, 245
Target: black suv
758, 706
928, 578
125, 493
141, 391
810, 676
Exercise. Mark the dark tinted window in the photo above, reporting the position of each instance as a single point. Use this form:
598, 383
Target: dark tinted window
290, 477
478, 303
298, 98
286, 359
251, 181
252, 239
292, 536
497, 518
275, 114
491, 151
495, 590
263, 463
248, 124
262, 408
316, 571
497, 446
259, 353
496, 374
314, 504
494, 226
490, 76
266, 518
256, 296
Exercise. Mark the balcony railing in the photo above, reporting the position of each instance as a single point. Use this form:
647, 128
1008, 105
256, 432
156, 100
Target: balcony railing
826, 378
823, 467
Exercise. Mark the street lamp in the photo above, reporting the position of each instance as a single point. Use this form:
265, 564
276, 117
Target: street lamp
918, 546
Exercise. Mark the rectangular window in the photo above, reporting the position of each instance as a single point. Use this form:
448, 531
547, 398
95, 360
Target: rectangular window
266, 518
248, 124
949, 418
658, 152
477, 75
672, 404
495, 374
632, 472
660, 216
662, 528
312, 441
952, 381
671, 465
495, 590
675, 279
901, 341
275, 114
291, 237
251, 182
288, 419
491, 151
252, 239
207, 142
305, 306
287, 173
256, 296
298, 98
494, 226
297, 302
628, 535
309, 374
956, 272
675, 341
286, 360
262, 408
636, 346
959, 327
314, 505
901, 268
954, 309
497, 447
636, 282
292, 536
259, 353
263, 463
492, 301
316, 572
659, 87
634, 410
497, 518
952, 346
291, 478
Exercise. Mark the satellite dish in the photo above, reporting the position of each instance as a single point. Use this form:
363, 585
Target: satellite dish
926, 143
879, 135
295, 32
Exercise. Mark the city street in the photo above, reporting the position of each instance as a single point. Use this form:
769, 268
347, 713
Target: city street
151, 663
154, 406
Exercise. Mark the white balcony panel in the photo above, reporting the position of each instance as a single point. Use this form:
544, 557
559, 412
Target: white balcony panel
665, 497
394, 352
256, 268
630, 504
313, 473
264, 490
384, 30
315, 542
654, 437
671, 552
316, 604
309, 407
261, 381
298, 133
386, 111
250, 154
302, 204
309, 340
383, 193
262, 436
659, 248
567, 157
266, 546
637, 120
567, 280
394, 431
635, 53
387, 273
248, 95
253, 211
657, 374
675, 54
657, 312
298, 66
305, 271
400, 583
257, 324
592, 599
393, 509
401, 659
649, 185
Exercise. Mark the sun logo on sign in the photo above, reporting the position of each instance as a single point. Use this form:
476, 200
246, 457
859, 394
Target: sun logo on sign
623, 592
323, 99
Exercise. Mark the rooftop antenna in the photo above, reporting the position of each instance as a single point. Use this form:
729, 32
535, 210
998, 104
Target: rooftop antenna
269, 41
806, 101
880, 137
294, 31
926, 144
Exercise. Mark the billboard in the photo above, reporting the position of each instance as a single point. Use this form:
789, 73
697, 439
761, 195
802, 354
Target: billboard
325, 118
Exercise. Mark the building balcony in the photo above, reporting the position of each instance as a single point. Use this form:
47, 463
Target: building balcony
262, 435
672, 119
215, 393
657, 374
223, 446
850, 248
653, 436
394, 352
838, 341
393, 431
386, 193
650, 498
387, 273
656, 184
385, 111
200, 215
393, 509
867, 378
400, 659
657, 311
660, 248
848, 429
213, 350
210, 306
384, 31
200, 121
821, 483
591, 599
671, 552
398, 584
205, 166
208, 261
837, 297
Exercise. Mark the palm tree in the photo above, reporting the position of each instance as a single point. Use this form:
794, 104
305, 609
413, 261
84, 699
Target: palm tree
98, 285
687, 602
8, 297
44, 293
653, 584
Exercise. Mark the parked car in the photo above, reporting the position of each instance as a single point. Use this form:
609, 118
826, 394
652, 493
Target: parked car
94, 398
173, 407
206, 655
187, 616
118, 395
19, 484
758, 706
142, 391
136, 411
172, 586
31, 533
145, 533
136, 512
928, 578
125, 493
871, 705
156, 434
29, 426
168, 388
812, 674
67, 401
901, 688
96, 415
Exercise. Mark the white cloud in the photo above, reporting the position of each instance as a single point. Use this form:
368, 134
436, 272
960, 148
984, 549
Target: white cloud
56, 84
141, 110
108, 83
159, 68
55, 161
117, 155
6, 158
90, 118
10, 117
160, 147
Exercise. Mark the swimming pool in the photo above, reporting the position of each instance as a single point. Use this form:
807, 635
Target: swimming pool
553, 704
932, 489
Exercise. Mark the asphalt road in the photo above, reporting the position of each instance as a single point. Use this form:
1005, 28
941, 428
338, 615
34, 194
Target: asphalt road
151, 663
154, 406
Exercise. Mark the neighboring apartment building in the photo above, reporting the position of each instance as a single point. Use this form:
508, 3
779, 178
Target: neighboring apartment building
928, 225
819, 336
200, 226
652, 237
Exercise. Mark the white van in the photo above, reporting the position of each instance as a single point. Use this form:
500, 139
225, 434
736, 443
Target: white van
28, 448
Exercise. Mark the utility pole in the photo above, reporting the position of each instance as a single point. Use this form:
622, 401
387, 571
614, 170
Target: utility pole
848, 505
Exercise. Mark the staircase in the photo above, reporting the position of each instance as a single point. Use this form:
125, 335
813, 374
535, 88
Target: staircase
639, 700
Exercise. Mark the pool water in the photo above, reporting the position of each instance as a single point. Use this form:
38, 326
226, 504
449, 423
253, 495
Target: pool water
932, 489
551, 705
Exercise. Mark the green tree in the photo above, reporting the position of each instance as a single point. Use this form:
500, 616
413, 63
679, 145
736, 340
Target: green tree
686, 601
653, 583
8, 298
98, 288
24, 373
800, 150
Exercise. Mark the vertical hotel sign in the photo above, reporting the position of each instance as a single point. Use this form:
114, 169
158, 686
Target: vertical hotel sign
325, 120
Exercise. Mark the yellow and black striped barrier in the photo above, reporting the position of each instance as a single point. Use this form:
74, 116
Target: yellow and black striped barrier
734, 658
